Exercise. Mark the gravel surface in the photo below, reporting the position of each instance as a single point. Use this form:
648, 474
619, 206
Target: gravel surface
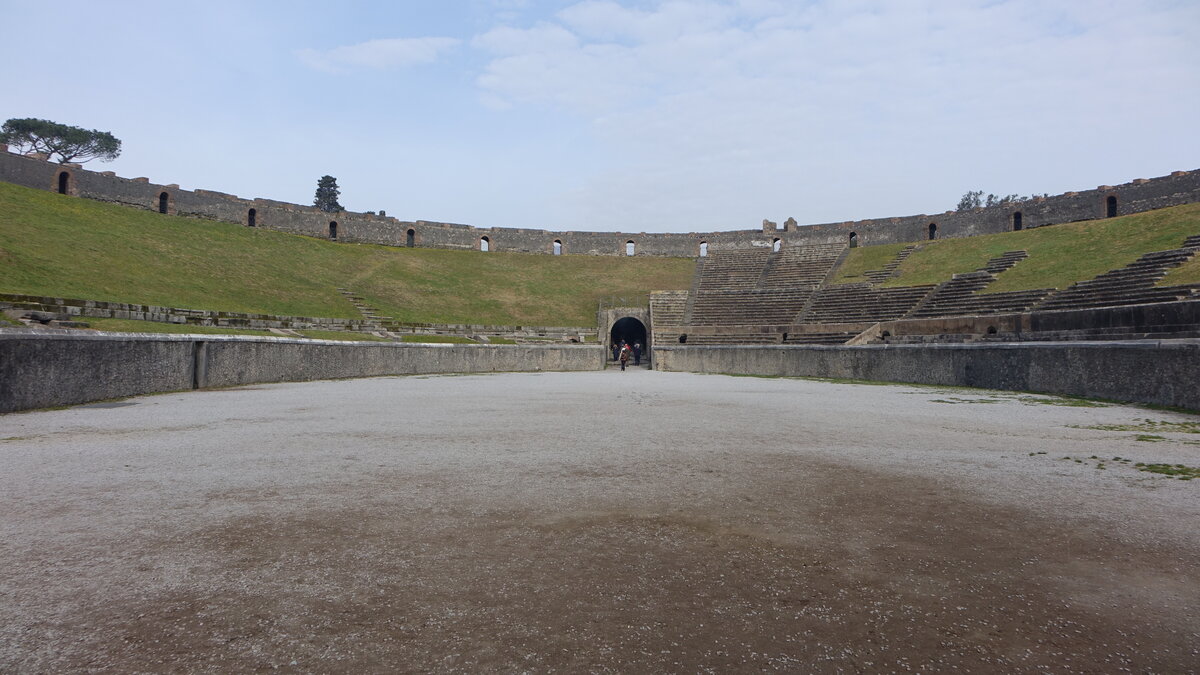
632, 522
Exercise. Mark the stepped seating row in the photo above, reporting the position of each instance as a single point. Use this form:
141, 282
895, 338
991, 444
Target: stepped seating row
747, 308
667, 307
960, 296
834, 338
766, 269
1152, 332
747, 338
881, 275
800, 266
1129, 285
731, 270
849, 303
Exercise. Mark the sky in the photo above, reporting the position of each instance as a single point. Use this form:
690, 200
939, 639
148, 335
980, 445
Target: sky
634, 116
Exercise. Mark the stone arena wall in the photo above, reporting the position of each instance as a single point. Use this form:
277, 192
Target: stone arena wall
47, 370
1181, 187
1138, 372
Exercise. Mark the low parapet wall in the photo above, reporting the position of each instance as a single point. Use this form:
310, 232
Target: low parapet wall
1160, 373
40, 370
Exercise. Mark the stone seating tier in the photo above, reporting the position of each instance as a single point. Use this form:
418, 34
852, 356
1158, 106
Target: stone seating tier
732, 270
743, 308
887, 271
849, 303
667, 307
1132, 284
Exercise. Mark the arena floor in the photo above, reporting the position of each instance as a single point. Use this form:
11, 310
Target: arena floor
633, 522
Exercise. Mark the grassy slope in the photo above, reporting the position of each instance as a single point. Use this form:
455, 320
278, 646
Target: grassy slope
1187, 273
864, 259
1058, 255
67, 247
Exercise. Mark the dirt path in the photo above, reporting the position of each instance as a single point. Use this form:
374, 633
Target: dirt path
605, 522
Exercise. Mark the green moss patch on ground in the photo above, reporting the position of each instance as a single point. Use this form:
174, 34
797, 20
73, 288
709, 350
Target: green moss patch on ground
865, 259
1059, 255
62, 246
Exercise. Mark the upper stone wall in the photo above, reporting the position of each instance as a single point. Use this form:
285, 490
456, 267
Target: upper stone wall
1181, 187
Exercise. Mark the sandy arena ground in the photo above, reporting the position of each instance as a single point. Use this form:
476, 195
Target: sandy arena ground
604, 522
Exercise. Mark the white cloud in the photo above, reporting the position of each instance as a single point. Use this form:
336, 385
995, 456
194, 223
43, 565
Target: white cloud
378, 54
698, 97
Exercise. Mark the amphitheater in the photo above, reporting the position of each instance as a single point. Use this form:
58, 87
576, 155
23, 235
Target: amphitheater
839, 458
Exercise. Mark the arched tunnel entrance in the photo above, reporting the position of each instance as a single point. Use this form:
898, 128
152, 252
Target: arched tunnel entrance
632, 332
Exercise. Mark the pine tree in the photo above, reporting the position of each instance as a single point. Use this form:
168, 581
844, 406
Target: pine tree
327, 195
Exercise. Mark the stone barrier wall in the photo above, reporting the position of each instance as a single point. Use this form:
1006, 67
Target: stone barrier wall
46, 370
1181, 187
1160, 373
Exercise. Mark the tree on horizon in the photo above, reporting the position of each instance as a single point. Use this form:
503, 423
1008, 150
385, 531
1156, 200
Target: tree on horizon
326, 198
71, 144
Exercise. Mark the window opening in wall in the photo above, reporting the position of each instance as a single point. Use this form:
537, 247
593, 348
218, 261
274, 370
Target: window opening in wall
783, 338
629, 248
484, 244
64, 179
333, 230
1111, 206
703, 249
252, 218
991, 330
776, 244
683, 339
163, 200
1017, 224
853, 240
410, 239
557, 247
933, 230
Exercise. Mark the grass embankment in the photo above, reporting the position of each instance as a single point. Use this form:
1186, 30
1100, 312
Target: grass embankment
1059, 255
76, 248
865, 259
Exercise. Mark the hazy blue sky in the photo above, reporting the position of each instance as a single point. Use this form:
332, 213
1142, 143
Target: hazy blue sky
634, 116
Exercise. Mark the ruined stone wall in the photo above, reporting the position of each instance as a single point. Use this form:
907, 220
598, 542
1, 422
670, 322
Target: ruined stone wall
1158, 373
1181, 187
44, 370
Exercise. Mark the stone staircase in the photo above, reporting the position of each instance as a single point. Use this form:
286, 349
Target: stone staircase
960, 296
373, 321
1131, 285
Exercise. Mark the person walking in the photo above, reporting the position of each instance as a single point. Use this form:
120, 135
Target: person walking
624, 356
637, 353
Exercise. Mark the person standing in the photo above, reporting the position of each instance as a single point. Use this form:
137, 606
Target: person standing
637, 353
615, 349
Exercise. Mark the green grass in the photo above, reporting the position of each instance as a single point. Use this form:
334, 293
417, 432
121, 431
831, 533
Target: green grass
1187, 273
1059, 255
76, 248
864, 259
